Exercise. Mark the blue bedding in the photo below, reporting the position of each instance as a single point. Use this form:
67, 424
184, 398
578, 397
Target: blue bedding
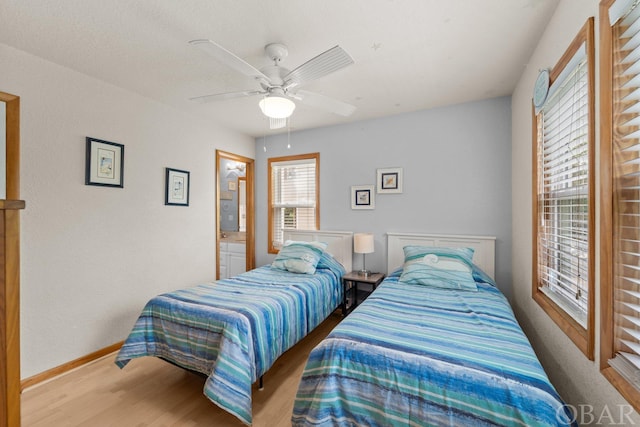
415, 355
233, 330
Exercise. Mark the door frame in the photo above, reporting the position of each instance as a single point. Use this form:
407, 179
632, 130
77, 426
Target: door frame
10, 270
249, 174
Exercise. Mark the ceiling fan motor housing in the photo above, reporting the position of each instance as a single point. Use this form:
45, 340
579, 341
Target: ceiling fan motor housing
276, 51
275, 74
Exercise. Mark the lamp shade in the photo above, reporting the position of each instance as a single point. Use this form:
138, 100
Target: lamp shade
363, 243
277, 107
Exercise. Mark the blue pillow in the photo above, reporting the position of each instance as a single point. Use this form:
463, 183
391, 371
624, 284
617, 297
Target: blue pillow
480, 276
299, 257
415, 253
441, 267
328, 261
419, 273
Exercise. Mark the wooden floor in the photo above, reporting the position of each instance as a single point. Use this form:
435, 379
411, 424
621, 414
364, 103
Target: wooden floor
151, 392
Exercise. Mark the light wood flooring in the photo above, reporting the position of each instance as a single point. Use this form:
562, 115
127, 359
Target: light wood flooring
151, 392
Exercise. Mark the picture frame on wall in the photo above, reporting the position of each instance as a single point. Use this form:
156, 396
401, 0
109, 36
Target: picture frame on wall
363, 197
104, 164
176, 187
389, 180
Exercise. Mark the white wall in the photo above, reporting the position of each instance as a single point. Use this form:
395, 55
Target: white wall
457, 174
577, 379
93, 256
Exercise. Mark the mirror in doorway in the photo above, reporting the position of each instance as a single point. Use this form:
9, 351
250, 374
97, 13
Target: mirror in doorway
233, 205
242, 204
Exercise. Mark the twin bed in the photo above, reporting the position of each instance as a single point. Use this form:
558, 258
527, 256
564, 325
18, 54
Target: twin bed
233, 330
418, 351
429, 352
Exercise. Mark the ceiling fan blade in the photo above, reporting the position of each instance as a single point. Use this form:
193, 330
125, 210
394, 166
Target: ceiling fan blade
223, 96
325, 103
228, 58
327, 62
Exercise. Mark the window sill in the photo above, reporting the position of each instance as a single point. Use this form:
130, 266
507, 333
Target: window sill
576, 333
579, 317
629, 392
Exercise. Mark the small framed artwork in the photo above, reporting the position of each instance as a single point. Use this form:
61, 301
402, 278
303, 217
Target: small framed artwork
226, 195
104, 163
389, 180
232, 186
177, 188
362, 197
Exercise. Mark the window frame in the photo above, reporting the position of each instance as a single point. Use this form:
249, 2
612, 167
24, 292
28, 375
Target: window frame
582, 337
271, 232
607, 319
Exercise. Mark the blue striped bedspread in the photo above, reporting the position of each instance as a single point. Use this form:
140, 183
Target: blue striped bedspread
414, 355
234, 329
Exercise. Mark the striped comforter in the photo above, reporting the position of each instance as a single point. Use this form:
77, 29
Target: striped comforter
413, 355
233, 330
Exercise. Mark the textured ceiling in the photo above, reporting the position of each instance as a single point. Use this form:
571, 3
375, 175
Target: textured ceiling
409, 54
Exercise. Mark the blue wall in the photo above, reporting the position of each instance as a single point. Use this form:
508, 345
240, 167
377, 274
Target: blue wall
456, 164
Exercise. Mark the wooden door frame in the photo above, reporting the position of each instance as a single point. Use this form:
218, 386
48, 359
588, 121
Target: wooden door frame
249, 174
10, 270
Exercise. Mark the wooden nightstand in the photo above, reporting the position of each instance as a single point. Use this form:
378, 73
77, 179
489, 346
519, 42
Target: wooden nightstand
352, 286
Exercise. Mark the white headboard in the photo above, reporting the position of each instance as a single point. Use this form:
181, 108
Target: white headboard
484, 248
340, 243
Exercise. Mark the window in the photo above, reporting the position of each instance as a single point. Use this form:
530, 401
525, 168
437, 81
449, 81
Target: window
563, 207
620, 197
293, 196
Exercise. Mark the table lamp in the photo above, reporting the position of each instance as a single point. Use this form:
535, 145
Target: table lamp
363, 244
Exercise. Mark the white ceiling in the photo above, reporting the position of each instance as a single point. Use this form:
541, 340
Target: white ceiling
409, 54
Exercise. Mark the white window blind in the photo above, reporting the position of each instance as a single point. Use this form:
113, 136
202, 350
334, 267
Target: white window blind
563, 190
625, 18
293, 196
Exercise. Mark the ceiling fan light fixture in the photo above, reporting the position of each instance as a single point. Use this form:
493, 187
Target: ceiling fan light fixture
277, 107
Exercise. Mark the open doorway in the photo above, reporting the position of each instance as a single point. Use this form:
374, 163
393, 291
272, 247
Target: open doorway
235, 247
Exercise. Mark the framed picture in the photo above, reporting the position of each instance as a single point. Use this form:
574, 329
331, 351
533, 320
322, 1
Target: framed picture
232, 186
226, 195
177, 188
389, 180
104, 164
362, 197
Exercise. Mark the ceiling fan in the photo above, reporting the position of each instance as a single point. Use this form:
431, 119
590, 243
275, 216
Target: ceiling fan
279, 85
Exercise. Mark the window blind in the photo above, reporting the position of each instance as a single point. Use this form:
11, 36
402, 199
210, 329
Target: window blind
294, 196
563, 190
625, 18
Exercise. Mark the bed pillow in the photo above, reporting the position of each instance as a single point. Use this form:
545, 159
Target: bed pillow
419, 273
328, 261
299, 257
480, 276
441, 267
445, 263
415, 253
